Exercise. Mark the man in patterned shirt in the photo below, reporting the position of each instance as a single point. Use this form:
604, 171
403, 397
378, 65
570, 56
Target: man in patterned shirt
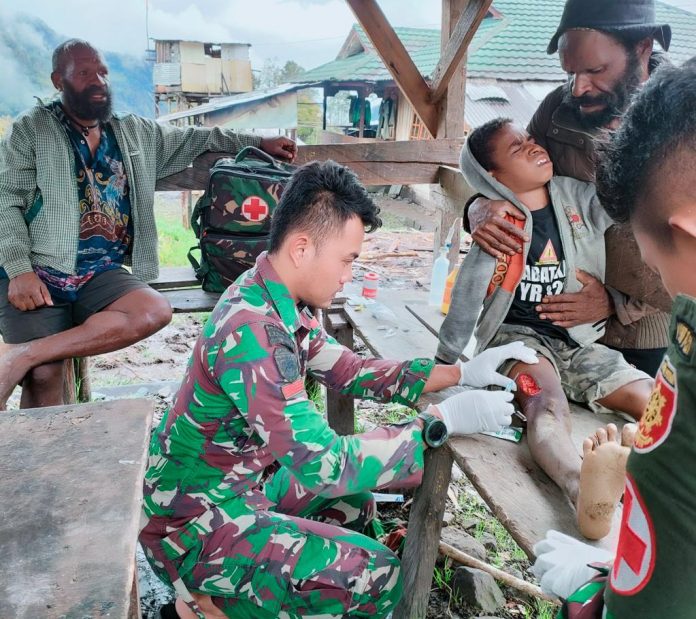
76, 204
253, 506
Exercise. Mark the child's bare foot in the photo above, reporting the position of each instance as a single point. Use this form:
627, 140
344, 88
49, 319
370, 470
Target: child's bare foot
602, 479
12, 370
628, 434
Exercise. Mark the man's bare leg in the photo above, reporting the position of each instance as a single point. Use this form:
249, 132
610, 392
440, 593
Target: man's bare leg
631, 398
135, 316
602, 478
43, 385
548, 425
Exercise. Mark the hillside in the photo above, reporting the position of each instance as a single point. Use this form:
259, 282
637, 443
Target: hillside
26, 44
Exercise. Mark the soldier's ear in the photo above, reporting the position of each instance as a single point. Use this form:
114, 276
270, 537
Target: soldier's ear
683, 222
298, 247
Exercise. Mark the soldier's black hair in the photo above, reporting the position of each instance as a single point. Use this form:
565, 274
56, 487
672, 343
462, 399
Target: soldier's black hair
61, 52
320, 198
479, 141
654, 149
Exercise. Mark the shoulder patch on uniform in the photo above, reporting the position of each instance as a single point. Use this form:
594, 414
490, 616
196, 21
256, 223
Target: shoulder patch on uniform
656, 423
292, 389
278, 335
287, 363
636, 552
684, 338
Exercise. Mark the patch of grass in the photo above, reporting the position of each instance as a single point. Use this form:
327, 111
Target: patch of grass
540, 609
174, 240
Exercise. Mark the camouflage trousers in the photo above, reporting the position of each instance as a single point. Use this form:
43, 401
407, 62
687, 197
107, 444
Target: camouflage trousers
303, 557
587, 373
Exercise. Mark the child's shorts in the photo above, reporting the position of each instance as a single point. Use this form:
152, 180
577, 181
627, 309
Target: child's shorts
587, 373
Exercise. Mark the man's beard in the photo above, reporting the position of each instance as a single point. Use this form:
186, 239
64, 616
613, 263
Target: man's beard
81, 106
614, 102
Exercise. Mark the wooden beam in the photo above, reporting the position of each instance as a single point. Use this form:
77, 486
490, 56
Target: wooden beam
375, 163
463, 32
397, 60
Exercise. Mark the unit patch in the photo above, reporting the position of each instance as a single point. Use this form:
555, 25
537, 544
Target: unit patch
635, 554
656, 423
684, 338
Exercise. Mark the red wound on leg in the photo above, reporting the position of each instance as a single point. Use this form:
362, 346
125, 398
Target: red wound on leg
527, 385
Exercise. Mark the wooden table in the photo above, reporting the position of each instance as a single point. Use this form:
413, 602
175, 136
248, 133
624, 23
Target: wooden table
518, 492
70, 498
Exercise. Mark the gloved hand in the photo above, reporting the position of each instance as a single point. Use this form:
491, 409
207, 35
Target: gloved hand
475, 411
481, 370
562, 563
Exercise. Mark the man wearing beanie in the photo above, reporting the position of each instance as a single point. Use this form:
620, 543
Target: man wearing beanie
606, 48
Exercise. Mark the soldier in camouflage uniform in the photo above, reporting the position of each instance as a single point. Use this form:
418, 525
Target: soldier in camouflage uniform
252, 503
647, 177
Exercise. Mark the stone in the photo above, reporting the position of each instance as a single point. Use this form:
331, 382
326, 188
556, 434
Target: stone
489, 542
464, 542
477, 589
447, 518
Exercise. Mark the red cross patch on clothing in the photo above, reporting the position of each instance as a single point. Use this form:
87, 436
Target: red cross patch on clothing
255, 208
635, 554
656, 423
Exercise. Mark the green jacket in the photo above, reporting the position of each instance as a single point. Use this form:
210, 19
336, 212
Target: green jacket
39, 215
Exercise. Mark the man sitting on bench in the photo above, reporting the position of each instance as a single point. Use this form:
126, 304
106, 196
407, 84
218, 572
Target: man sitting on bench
254, 506
76, 203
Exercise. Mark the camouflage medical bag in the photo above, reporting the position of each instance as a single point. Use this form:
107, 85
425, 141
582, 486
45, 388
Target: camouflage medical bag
232, 219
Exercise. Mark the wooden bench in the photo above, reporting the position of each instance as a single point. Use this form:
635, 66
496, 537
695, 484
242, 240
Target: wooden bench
70, 497
518, 492
183, 291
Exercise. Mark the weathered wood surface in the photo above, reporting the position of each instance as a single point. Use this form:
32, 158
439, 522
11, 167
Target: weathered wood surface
462, 33
397, 60
519, 493
375, 163
191, 300
70, 496
340, 409
175, 277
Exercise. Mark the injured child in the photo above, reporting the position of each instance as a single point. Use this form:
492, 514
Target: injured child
565, 225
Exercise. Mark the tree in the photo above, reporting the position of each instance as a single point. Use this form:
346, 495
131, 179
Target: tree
272, 74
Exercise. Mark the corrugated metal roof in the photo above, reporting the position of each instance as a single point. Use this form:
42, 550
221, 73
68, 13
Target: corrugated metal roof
512, 47
221, 103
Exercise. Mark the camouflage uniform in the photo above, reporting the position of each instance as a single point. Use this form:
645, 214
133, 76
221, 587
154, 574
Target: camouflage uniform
247, 488
650, 576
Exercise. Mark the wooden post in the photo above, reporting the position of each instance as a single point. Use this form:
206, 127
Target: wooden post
340, 409
323, 120
361, 122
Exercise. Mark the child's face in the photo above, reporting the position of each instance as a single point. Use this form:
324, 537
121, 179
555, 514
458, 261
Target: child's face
520, 163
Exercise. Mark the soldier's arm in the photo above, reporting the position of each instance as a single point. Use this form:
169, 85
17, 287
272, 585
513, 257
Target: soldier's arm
261, 375
377, 379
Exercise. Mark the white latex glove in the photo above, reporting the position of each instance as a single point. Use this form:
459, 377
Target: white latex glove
481, 371
475, 411
562, 563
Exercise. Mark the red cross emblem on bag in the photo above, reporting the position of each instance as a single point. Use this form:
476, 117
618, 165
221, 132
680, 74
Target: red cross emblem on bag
656, 422
255, 208
635, 554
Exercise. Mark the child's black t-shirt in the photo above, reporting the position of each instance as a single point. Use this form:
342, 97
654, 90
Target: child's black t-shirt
544, 275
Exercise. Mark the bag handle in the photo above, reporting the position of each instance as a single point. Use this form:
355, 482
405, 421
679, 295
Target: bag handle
258, 153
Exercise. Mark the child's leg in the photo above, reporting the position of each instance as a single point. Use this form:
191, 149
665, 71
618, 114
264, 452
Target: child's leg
548, 425
631, 398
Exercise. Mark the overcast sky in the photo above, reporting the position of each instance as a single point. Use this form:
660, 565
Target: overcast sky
307, 31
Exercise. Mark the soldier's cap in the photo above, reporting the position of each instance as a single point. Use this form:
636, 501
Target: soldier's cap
612, 16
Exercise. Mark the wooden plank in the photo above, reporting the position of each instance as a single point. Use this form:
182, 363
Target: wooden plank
175, 277
395, 57
375, 163
191, 300
464, 30
70, 495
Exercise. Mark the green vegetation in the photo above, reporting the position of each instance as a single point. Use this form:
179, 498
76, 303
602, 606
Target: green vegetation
174, 239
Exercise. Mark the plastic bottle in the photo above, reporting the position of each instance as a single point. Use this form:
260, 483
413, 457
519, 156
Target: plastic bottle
449, 284
370, 285
439, 277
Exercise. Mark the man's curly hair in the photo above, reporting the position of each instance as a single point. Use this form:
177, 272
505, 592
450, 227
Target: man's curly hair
660, 123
